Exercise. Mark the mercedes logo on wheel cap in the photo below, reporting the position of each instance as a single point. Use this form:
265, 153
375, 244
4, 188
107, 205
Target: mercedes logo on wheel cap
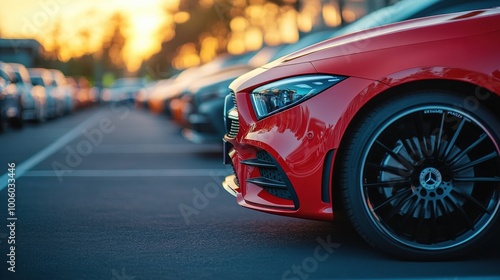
430, 178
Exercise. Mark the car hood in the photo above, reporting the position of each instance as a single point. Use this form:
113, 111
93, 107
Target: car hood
416, 31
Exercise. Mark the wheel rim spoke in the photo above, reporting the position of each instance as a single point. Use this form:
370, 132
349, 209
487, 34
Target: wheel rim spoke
392, 198
433, 212
402, 202
471, 199
454, 139
468, 149
478, 179
419, 221
408, 214
388, 184
461, 211
440, 137
476, 162
390, 169
411, 150
397, 157
422, 139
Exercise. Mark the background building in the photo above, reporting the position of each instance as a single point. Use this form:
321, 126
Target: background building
23, 51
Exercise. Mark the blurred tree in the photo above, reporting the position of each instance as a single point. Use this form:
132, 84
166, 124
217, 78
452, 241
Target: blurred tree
112, 48
109, 58
194, 24
81, 66
187, 22
55, 41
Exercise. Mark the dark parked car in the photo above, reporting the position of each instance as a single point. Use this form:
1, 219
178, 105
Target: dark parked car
201, 108
166, 95
12, 97
231, 67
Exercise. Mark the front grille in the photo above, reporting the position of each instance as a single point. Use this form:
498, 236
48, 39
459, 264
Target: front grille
233, 96
232, 121
271, 174
279, 193
274, 175
234, 127
272, 179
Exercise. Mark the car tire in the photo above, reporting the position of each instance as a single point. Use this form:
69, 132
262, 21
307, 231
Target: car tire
17, 122
40, 114
2, 113
2, 123
420, 176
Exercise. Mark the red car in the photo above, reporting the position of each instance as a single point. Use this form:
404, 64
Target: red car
399, 124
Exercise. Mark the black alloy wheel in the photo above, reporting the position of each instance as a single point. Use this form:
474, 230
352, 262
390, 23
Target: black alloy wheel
421, 177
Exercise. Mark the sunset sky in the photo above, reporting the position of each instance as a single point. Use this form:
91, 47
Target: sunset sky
34, 19
83, 24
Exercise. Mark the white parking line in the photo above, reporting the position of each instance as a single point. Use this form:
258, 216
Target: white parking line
156, 149
132, 173
26, 165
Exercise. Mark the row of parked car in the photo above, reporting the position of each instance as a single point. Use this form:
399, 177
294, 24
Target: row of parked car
195, 97
38, 94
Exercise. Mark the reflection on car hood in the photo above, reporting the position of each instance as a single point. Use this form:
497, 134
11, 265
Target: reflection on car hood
405, 33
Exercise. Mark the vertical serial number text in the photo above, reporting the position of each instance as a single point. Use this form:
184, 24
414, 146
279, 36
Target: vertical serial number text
11, 219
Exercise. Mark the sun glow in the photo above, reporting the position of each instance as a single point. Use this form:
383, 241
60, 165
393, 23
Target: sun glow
143, 40
77, 27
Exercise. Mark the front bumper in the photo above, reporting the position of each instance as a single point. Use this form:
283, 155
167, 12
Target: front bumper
13, 107
284, 163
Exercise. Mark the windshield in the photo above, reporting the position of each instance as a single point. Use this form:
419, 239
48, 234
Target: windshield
37, 81
19, 79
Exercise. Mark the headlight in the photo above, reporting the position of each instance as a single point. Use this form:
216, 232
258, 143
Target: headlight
276, 96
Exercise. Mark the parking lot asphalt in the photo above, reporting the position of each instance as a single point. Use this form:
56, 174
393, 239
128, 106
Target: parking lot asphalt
117, 193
